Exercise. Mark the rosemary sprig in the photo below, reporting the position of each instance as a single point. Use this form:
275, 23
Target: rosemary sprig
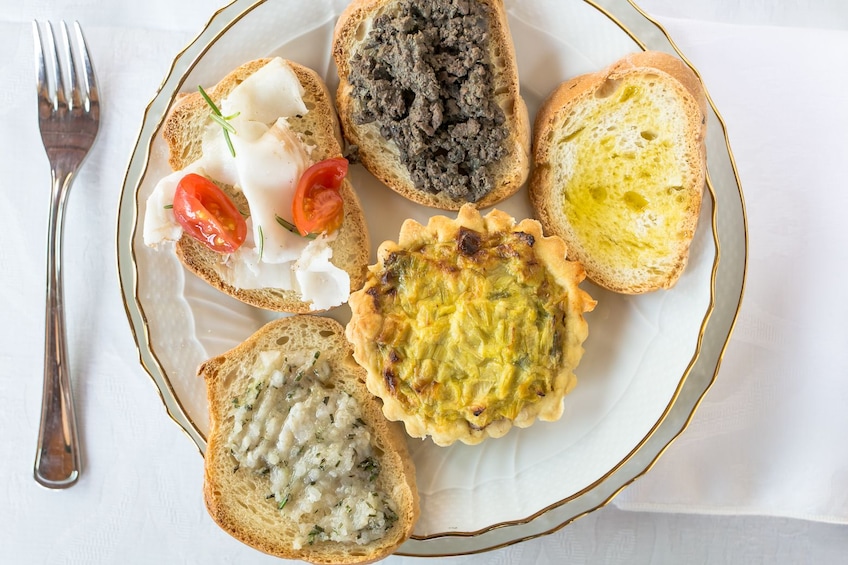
261, 242
314, 533
292, 228
283, 502
220, 119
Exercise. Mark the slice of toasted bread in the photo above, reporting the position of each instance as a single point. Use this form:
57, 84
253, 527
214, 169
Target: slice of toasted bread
240, 492
383, 157
183, 132
619, 167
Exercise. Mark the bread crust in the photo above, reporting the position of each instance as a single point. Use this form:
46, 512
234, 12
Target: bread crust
182, 132
569, 95
380, 156
237, 502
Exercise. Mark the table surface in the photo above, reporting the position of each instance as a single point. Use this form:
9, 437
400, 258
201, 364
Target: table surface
139, 499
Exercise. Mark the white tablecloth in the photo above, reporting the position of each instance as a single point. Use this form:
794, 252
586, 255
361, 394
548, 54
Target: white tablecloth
761, 475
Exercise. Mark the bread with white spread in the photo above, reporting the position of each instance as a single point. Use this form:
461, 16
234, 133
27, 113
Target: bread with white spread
300, 462
316, 136
429, 94
619, 167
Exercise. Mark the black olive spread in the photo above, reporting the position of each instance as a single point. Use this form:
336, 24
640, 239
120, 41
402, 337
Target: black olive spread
424, 76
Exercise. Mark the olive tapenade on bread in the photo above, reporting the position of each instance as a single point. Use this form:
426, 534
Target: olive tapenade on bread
429, 95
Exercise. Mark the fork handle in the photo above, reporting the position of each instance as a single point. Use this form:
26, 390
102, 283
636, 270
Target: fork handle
57, 459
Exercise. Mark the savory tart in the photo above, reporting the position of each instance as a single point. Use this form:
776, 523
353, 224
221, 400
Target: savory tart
469, 326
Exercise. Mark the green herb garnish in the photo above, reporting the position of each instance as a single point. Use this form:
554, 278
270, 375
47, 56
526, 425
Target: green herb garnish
283, 502
261, 243
220, 119
390, 516
292, 228
315, 532
371, 467
168, 206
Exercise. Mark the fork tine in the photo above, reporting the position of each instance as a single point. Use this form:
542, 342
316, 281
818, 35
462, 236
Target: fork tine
40, 68
58, 93
73, 79
88, 68
60, 99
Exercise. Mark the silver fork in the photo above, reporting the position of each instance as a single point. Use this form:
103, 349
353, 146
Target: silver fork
68, 127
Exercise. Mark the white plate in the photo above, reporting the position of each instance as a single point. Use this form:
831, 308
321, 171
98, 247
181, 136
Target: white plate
649, 359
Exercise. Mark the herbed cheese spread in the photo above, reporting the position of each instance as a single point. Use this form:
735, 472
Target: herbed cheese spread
309, 438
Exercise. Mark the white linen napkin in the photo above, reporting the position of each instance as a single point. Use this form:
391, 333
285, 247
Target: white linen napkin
769, 437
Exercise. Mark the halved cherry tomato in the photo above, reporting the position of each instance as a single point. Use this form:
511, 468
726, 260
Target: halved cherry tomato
208, 215
317, 205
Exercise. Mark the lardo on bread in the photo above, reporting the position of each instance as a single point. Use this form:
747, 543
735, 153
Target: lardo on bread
300, 462
619, 165
429, 95
281, 122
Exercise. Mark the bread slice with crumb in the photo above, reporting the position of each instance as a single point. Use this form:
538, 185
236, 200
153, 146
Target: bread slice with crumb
429, 94
183, 132
300, 462
619, 167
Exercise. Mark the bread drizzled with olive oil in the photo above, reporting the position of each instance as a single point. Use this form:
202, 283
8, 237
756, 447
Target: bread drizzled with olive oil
619, 171
284, 121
